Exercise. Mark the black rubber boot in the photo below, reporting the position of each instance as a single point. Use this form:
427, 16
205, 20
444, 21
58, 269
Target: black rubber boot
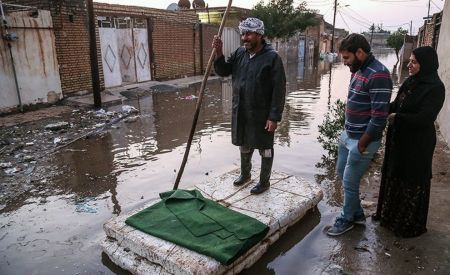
264, 176
246, 167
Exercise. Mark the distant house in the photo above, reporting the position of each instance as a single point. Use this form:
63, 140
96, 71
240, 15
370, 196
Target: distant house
377, 39
214, 15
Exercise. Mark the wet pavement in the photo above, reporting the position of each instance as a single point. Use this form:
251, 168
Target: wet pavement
61, 185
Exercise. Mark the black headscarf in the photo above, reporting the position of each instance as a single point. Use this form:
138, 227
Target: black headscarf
427, 58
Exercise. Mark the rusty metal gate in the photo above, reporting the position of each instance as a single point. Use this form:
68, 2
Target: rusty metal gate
124, 47
29, 72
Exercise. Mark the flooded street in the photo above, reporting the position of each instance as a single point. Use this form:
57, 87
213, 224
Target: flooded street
58, 231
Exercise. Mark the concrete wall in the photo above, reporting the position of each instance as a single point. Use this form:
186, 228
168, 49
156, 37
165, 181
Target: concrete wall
444, 71
409, 45
33, 59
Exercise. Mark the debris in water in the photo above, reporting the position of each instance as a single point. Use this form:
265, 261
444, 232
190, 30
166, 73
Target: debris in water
86, 206
129, 109
130, 119
361, 249
5, 165
57, 126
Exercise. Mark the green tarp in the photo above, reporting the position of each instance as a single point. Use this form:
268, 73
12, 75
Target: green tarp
186, 218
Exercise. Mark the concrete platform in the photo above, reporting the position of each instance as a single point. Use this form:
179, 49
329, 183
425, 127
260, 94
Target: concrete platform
284, 204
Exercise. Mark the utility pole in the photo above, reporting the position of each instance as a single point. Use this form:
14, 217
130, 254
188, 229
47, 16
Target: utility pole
93, 54
428, 15
334, 23
371, 33
410, 28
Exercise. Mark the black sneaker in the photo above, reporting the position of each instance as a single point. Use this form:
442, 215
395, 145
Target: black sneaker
340, 227
360, 219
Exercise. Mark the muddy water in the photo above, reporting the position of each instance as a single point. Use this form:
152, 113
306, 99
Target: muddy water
95, 179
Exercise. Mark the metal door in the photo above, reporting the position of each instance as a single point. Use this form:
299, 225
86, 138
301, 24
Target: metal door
110, 57
231, 41
141, 54
125, 53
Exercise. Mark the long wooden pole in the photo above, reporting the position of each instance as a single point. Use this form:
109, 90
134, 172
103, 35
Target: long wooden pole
200, 99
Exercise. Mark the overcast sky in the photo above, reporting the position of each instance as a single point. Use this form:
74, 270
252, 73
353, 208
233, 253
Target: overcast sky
353, 15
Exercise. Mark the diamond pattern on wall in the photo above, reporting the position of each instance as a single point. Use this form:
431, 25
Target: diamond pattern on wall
142, 55
125, 55
110, 58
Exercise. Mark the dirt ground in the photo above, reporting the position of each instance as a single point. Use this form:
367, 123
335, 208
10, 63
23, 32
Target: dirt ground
26, 139
25, 142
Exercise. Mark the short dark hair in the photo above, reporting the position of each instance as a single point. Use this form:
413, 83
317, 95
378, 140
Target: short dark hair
353, 42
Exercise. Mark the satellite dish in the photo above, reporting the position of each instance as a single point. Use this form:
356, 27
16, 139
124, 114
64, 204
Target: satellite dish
173, 7
198, 4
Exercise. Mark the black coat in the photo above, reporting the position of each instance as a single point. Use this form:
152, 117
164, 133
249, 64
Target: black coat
259, 89
411, 140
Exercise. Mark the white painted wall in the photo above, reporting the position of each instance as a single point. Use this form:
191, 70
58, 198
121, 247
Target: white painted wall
35, 62
444, 71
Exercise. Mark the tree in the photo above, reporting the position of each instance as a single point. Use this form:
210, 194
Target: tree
395, 41
282, 19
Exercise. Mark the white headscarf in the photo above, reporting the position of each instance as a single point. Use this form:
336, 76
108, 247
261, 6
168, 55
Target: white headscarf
251, 24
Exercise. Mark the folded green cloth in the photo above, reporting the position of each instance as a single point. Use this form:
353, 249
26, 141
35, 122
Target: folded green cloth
186, 218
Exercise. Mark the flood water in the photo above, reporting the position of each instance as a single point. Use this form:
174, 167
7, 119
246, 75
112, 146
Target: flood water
95, 179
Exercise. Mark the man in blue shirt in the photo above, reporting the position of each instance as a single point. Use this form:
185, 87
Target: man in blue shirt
365, 118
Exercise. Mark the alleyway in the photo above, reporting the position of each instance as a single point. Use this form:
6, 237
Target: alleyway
66, 170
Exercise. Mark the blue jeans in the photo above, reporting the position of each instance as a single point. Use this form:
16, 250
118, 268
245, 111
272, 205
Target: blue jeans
351, 165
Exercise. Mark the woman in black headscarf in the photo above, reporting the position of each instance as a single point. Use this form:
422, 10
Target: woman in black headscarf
410, 141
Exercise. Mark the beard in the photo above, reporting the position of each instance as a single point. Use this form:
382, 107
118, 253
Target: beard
354, 67
249, 45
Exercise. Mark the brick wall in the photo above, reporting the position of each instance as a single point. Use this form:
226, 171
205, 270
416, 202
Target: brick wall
428, 34
208, 34
177, 47
174, 42
72, 41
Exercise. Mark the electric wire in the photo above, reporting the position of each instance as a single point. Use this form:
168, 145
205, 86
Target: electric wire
342, 17
360, 22
359, 15
439, 8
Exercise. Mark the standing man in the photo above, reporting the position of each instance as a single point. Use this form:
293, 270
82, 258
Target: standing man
259, 89
365, 118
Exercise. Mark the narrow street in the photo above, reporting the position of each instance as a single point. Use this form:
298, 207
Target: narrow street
66, 170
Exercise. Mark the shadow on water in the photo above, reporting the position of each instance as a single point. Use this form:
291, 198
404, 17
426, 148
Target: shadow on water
131, 163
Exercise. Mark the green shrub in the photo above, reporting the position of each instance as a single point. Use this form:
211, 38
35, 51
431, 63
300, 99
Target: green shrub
331, 127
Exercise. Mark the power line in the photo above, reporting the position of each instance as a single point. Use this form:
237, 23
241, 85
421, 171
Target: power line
360, 16
395, 26
350, 29
330, 9
439, 8
360, 22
